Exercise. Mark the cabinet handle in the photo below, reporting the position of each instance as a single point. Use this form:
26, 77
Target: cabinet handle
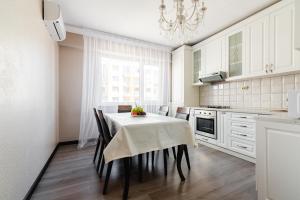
244, 135
267, 66
243, 117
243, 126
271, 68
240, 146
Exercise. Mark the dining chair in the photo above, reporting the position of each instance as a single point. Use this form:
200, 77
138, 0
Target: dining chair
107, 138
124, 108
184, 113
100, 141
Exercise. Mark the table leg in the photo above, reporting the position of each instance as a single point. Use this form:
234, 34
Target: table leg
127, 178
140, 163
179, 158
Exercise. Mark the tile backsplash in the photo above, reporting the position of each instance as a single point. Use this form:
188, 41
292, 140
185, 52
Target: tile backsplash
262, 93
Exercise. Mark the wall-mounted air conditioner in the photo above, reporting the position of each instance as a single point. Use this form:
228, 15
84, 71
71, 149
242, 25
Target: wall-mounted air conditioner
54, 21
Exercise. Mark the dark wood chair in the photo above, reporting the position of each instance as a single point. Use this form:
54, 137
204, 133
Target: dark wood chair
107, 138
124, 108
100, 141
163, 110
184, 113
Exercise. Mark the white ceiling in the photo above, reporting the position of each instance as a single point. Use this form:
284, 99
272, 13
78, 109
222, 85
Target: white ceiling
139, 18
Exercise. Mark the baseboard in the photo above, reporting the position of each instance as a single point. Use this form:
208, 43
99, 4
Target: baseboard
69, 142
39, 177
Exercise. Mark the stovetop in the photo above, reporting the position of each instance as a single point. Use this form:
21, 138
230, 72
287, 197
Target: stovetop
215, 106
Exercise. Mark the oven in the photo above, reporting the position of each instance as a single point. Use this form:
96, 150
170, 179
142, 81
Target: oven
206, 123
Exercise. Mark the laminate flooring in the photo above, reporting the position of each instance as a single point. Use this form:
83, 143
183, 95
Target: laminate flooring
214, 175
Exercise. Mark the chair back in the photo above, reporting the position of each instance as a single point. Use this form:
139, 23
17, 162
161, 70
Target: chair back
106, 133
183, 113
163, 110
98, 124
124, 108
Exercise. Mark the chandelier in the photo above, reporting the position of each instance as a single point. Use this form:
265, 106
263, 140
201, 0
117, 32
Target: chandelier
185, 24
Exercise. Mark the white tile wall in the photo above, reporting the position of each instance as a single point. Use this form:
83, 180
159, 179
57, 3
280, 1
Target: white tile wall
266, 93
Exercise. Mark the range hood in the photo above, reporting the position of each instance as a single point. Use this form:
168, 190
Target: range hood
213, 77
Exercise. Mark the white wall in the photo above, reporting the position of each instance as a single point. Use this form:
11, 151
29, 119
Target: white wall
28, 96
70, 86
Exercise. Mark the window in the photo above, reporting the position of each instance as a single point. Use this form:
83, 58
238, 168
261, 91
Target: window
152, 83
130, 82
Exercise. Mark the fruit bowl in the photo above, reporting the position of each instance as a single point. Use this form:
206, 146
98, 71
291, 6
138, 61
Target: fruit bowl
138, 112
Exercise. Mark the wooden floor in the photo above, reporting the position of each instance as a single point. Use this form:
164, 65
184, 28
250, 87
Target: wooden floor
214, 176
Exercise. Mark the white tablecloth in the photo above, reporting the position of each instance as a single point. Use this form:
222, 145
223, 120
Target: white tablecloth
137, 135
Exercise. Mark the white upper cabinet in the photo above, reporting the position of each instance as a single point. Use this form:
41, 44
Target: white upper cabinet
214, 56
297, 25
282, 52
183, 91
263, 44
257, 47
236, 53
198, 65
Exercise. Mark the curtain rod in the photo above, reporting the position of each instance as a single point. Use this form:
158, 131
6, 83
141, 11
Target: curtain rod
92, 32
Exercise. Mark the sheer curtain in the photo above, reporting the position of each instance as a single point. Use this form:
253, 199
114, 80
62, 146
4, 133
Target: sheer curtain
117, 71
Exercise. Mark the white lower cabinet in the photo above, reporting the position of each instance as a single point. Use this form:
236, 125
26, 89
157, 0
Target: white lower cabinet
241, 134
236, 133
222, 128
278, 161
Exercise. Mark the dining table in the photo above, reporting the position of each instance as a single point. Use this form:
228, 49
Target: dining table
135, 135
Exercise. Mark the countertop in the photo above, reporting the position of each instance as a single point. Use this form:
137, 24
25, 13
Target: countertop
262, 114
238, 110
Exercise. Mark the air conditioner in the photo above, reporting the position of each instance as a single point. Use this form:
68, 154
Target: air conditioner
54, 21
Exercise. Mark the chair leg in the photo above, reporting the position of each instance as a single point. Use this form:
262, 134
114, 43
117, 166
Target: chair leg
102, 166
127, 177
147, 159
96, 151
152, 158
179, 157
186, 153
100, 155
140, 163
107, 177
165, 161
174, 152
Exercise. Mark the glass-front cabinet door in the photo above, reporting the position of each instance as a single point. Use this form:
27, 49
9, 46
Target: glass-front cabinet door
235, 54
197, 66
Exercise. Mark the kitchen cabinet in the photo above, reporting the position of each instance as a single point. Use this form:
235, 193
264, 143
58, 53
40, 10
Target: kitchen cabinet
297, 25
236, 53
222, 128
241, 136
261, 45
257, 47
183, 91
278, 160
281, 51
198, 65
214, 59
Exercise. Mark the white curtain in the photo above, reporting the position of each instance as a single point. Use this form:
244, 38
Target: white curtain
108, 61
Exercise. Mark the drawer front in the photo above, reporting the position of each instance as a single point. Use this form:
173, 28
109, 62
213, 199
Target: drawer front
243, 135
240, 146
244, 117
243, 126
205, 139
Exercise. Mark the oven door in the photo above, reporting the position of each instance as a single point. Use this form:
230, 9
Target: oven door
206, 126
